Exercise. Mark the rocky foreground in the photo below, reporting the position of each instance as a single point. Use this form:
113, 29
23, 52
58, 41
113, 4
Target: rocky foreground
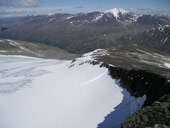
157, 113
142, 72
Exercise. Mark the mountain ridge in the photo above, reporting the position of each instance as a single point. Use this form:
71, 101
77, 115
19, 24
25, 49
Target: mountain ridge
79, 33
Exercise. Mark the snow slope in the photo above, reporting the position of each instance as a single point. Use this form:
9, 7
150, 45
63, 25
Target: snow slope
41, 93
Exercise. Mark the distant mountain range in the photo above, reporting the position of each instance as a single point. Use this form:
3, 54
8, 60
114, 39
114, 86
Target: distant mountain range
84, 32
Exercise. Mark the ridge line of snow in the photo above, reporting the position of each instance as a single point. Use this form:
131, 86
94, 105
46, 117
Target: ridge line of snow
94, 79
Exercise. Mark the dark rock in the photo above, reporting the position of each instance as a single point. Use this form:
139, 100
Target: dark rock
134, 81
159, 126
4, 29
156, 107
165, 105
147, 117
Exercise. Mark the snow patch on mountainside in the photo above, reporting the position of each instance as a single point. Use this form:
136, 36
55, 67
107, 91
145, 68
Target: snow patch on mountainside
51, 14
52, 19
69, 17
98, 17
2, 51
92, 55
42, 93
162, 28
134, 18
167, 65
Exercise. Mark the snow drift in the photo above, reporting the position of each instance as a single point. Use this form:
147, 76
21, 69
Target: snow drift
41, 93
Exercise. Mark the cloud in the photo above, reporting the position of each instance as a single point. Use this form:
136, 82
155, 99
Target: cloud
150, 11
7, 3
19, 3
17, 12
79, 7
12, 13
28, 3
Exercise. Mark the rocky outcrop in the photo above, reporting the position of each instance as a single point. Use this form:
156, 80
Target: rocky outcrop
156, 109
157, 113
140, 82
159, 126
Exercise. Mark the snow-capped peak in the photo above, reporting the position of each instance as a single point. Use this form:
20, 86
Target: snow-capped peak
116, 11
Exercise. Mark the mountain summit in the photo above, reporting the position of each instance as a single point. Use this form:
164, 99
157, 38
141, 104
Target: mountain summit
117, 11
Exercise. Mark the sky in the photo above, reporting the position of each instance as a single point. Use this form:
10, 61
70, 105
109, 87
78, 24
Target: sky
12, 8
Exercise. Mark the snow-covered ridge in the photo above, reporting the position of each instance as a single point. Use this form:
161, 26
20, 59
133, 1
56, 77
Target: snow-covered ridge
117, 11
92, 55
60, 94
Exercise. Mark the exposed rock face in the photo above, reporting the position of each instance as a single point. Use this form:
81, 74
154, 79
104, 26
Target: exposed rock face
157, 113
156, 109
140, 82
141, 71
159, 126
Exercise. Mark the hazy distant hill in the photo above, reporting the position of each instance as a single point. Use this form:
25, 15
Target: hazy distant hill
13, 47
